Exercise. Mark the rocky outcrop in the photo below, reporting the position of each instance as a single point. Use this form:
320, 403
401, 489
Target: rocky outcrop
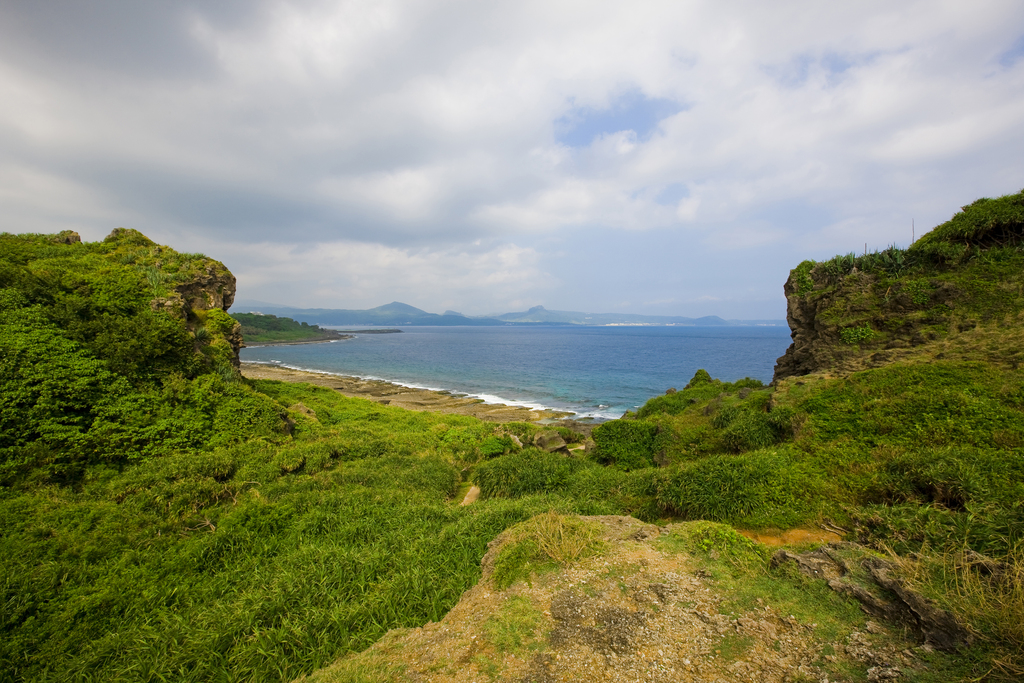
842, 324
67, 237
194, 288
211, 289
552, 442
640, 608
872, 582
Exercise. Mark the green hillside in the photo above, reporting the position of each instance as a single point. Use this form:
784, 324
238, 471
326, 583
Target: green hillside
165, 519
258, 328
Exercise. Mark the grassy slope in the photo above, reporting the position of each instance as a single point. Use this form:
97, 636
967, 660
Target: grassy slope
230, 543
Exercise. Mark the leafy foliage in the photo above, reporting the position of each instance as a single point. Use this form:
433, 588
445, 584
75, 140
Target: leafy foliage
260, 328
856, 335
627, 444
92, 374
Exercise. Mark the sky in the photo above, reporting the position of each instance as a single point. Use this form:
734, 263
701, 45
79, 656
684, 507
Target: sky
666, 158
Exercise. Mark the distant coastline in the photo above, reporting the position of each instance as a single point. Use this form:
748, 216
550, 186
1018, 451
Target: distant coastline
303, 341
397, 314
387, 331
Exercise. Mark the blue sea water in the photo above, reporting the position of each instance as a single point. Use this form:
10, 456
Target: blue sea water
598, 372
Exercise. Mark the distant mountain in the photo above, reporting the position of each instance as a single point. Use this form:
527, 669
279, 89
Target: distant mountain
539, 314
392, 314
399, 314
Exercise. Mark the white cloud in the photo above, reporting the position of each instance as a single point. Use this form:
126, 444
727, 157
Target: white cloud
471, 280
404, 128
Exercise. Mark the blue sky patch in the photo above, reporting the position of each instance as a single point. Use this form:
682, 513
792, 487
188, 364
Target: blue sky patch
1013, 55
631, 111
796, 72
672, 194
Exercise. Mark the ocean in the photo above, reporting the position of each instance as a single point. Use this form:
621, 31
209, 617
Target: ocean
596, 372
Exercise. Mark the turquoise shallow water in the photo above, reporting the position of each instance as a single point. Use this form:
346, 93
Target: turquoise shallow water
592, 371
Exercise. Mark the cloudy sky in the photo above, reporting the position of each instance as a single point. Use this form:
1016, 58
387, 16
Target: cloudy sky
670, 157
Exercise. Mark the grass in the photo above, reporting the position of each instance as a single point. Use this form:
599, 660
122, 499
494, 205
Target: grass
275, 578
514, 628
544, 541
985, 594
162, 520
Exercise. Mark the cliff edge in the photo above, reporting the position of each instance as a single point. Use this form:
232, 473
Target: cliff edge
957, 293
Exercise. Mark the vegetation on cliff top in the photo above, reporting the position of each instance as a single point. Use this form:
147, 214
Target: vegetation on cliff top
258, 328
956, 293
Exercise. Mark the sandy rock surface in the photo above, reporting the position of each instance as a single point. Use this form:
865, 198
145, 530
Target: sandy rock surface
633, 613
387, 393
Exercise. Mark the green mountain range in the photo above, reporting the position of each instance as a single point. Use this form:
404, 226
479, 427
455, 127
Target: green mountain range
399, 314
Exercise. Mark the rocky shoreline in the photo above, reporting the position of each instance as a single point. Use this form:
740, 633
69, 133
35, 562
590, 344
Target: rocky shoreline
387, 393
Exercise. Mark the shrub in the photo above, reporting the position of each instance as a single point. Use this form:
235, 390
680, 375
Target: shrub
220, 322
752, 487
856, 335
951, 477
701, 388
748, 431
701, 377
529, 471
497, 445
802, 277
627, 444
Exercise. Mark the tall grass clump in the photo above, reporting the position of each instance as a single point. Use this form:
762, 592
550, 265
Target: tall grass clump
528, 471
545, 538
626, 444
763, 488
986, 593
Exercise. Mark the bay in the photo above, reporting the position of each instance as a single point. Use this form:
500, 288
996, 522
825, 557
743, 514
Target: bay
597, 372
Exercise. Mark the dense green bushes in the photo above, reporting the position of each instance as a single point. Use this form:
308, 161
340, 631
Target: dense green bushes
91, 373
258, 328
529, 471
627, 444
761, 489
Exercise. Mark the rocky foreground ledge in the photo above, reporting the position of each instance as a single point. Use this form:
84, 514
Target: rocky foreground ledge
688, 602
396, 395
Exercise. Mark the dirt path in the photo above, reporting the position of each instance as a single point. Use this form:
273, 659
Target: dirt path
471, 495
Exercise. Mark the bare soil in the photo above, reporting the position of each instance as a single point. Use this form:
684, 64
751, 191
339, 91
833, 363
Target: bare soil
632, 613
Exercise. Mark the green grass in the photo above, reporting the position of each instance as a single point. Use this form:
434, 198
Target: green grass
514, 628
166, 520
185, 569
545, 541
